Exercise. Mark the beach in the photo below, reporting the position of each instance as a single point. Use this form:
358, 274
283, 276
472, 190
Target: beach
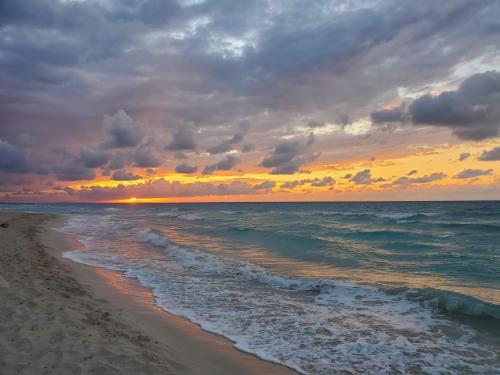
60, 317
268, 288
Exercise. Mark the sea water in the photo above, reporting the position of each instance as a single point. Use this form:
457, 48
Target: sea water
323, 288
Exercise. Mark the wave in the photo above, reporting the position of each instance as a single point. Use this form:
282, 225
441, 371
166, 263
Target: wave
453, 302
209, 263
229, 212
318, 326
381, 215
292, 243
187, 217
470, 225
167, 214
200, 261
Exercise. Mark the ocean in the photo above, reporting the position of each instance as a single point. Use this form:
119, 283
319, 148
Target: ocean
323, 288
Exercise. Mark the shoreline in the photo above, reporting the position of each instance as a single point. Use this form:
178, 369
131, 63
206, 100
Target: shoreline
180, 346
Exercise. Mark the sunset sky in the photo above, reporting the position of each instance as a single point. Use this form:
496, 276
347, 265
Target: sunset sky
217, 100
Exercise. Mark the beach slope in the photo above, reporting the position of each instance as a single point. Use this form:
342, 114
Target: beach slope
51, 325
60, 317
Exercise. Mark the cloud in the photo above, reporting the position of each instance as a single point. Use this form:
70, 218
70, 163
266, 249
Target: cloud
471, 111
162, 188
325, 181
471, 173
186, 168
213, 64
313, 124
12, 159
228, 144
463, 156
365, 178
182, 139
247, 147
266, 185
412, 172
123, 130
224, 165
419, 180
73, 170
91, 158
118, 161
144, 158
389, 115
225, 146
316, 182
288, 156
122, 175
490, 155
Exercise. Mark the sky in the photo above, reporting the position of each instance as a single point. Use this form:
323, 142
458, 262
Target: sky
219, 100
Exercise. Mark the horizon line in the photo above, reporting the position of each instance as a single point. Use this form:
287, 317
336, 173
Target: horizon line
261, 202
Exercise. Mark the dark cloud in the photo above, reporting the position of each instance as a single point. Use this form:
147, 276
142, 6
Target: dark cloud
186, 168
118, 161
91, 158
412, 172
290, 184
463, 156
12, 159
182, 139
471, 173
181, 155
490, 155
419, 180
388, 115
228, 144
122, 175
344, 120
313, 124
247, 147
224, 165
150, 12
471, 112
162, 188
325, 181
316, 182
266, 185
212, 64
288, 156
145, 158
225, 146
73, 170
365, 178
123, 130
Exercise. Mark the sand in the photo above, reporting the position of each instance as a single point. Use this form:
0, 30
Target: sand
60, 317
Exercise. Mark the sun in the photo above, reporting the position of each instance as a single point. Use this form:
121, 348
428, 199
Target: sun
132, 200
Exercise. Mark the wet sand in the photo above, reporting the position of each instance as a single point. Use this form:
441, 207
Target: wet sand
61, 317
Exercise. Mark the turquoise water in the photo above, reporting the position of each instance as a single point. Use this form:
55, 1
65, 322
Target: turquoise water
320, 287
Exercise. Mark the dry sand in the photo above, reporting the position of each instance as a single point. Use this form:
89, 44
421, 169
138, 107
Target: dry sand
59, 317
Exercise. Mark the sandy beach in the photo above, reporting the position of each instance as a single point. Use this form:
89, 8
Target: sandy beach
59, 317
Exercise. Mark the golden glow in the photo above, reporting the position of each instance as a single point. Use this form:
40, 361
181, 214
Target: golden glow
389, 165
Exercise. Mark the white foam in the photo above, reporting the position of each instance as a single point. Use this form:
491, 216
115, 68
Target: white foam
191, 217
188, 217
314, 326
167, 214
